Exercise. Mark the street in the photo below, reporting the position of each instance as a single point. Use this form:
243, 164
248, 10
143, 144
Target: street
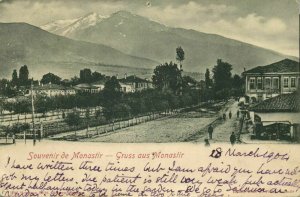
223, 129
183, 127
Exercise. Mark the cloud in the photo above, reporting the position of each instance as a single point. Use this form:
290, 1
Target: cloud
185, 14
253, 24
268, 32
39, 12
6, 1
272, 33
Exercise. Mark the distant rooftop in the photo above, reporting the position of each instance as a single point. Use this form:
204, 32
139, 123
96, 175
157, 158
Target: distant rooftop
133, 79
283, 66
282, 103
84, 86
51, 87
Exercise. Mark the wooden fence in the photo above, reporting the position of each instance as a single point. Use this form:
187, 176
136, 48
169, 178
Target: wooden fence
55, 115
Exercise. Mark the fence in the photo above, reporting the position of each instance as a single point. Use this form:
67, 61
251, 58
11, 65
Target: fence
55, 115
53, 123
102, 129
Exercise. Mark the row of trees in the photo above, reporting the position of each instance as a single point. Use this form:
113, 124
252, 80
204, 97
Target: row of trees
222, 84
172, 90
22, 79
10, 88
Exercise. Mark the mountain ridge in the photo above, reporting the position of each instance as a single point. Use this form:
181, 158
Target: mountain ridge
28, 44
142, 37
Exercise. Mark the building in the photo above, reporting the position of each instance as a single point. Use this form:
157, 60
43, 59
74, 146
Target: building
51, 90
268, 81
88, 88
127, 88
278, 117
99, 85
136, 84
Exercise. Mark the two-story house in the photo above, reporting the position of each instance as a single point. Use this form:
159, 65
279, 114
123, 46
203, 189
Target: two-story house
136, 84
268, 81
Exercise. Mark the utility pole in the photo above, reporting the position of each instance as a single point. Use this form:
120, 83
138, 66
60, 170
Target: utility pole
32, 106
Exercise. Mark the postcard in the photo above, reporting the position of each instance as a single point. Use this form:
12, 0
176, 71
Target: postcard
190, 98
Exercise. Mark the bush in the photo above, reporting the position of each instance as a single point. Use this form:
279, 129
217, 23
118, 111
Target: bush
117, 111
73, 119
17, 128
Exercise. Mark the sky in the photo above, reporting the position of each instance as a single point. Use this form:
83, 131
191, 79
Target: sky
272, 24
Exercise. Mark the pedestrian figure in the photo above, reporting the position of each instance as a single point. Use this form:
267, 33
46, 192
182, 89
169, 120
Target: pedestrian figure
210, 131
238, 114
230, 114
206, 142
224, 116
14, 138
232, 138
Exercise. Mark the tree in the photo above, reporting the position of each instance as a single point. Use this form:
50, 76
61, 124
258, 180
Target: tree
87, 116
187, 82
122, 110
50, 78
43, 104
75, 80
96, 76
180, 55
73, 119
238, 85
23, 75
208, 81
14, 80
22, 106
237, 81
186, 100
111, 92
222, 75
85, 75
167, 76
17, 128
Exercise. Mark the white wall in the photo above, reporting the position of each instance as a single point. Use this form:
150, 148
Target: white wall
293, 117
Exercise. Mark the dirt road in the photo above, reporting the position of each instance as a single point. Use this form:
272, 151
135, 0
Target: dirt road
223, 129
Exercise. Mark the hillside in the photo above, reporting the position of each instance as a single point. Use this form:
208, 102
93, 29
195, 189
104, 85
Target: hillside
139, 36
22, 43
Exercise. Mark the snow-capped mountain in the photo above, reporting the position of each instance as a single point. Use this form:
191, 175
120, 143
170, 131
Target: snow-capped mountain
57, 25
67, 27
138, 36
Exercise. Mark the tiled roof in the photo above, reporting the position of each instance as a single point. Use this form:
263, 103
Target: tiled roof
282, 66
133, 79
51, 87
282, 103
85, 86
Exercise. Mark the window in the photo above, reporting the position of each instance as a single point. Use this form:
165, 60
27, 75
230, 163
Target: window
259, 83
268, 82
276, 83
252, 83
286, 82
293, 82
